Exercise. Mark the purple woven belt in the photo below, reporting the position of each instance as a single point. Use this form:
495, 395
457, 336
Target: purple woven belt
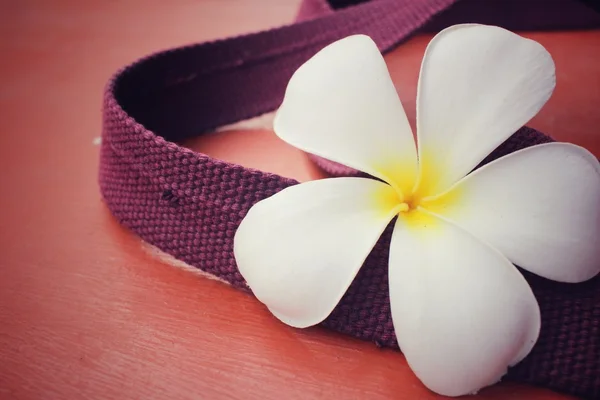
189, 204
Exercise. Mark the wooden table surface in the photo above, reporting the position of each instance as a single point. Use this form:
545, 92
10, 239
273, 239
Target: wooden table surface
88, 311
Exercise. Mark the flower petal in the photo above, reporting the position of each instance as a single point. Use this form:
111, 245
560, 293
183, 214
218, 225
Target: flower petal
539, 206
462, 312
342, 105
300, 249
478, 85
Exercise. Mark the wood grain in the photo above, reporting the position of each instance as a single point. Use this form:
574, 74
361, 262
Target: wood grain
88, 311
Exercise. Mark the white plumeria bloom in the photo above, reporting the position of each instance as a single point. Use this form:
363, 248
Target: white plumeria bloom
462, 312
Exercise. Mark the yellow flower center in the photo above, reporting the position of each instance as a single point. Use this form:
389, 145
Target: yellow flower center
403, 207
408, 203
424, 195
393, 199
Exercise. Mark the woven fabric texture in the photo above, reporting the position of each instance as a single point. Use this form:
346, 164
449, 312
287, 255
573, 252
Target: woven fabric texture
189, 204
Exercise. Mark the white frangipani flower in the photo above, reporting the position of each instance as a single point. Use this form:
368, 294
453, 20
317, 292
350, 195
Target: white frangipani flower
462, 312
